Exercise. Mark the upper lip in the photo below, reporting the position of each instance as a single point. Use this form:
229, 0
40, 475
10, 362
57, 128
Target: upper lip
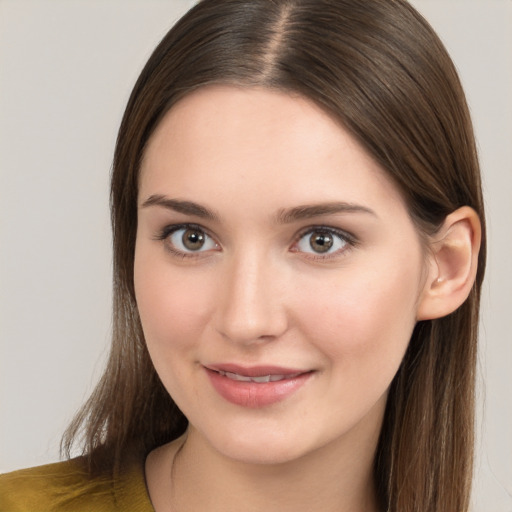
254, 371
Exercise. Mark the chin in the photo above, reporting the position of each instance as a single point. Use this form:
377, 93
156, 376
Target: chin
270, 443
260, 453
264, 445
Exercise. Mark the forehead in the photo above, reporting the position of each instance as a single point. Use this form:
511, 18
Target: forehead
222, 141
237, 115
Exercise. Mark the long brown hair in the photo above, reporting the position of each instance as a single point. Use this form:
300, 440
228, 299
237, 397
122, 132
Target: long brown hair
380, 69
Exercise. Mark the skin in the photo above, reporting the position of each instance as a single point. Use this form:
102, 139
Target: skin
257, 293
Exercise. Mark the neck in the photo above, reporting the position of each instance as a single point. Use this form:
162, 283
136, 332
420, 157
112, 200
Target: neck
318, 481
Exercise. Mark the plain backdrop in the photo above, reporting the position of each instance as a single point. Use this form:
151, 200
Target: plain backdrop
66, 70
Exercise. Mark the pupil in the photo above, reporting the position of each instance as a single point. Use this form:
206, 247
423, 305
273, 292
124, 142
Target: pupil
321, 242
193, 239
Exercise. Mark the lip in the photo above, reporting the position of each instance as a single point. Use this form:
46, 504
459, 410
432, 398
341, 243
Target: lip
237, 389
254, 371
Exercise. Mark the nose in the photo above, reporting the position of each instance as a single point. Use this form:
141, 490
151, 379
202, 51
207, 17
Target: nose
251, 307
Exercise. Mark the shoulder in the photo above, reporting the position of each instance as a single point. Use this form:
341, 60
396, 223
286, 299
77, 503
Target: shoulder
53, 487
66, 486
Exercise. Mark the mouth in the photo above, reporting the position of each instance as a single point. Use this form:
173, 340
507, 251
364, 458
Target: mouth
256, 387
260, 379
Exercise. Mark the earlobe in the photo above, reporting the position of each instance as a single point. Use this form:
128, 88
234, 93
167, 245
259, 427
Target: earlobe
453, 264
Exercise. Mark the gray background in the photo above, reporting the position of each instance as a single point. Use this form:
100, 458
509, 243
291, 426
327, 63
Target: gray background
66, 70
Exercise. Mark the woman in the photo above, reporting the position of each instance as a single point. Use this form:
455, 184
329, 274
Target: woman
299, 250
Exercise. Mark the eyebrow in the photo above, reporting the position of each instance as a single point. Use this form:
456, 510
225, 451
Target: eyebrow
308, 211
185, 207
284, 216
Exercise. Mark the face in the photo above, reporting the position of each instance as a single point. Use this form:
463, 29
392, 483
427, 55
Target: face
277, 273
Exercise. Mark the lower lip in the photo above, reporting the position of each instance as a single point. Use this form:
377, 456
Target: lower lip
254, 394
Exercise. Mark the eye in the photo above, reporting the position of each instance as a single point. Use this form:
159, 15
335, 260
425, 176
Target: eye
188, 239
323, 241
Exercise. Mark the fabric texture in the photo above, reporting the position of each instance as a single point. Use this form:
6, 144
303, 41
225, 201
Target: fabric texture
66, 487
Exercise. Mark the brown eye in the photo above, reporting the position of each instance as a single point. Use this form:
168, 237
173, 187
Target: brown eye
189, 239
321, 242
193, 239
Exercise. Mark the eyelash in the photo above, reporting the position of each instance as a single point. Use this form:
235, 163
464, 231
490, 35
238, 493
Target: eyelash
347, 238
171, 229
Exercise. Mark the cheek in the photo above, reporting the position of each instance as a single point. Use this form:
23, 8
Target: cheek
173, 309
365, 319
173, 313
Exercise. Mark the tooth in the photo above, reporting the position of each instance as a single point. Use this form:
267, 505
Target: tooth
260, 379
263, 378
235, 376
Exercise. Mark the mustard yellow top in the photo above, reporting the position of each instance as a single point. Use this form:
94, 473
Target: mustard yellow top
66, 487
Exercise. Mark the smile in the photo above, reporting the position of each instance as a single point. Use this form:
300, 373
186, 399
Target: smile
260, 379
256, 387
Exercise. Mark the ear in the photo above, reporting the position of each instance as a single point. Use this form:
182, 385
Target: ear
453, 262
